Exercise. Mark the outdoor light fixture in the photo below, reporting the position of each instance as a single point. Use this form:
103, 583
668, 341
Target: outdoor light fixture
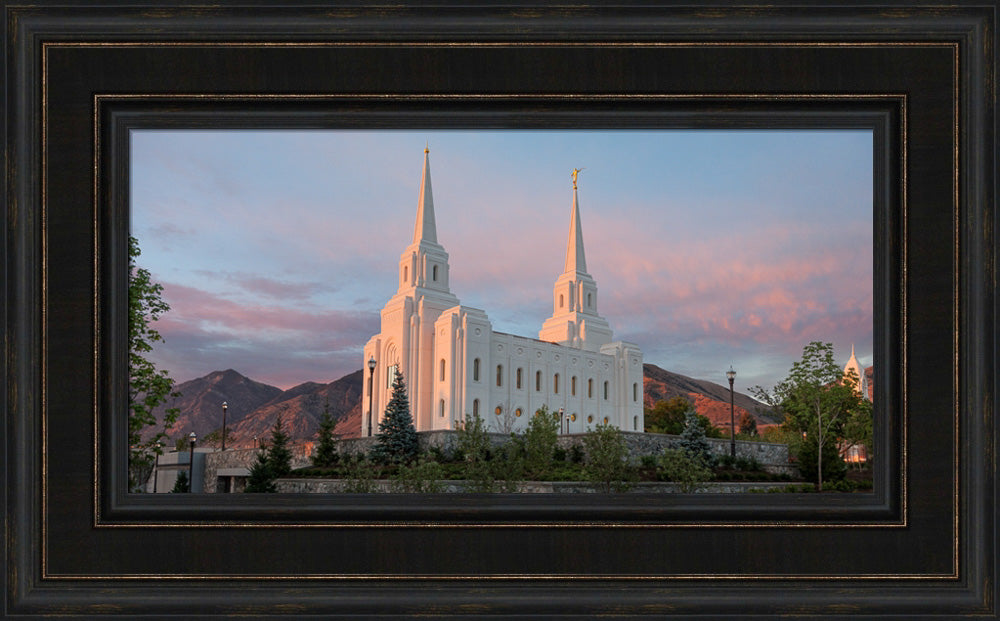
192, 440
225, 406
371, 374
732, 414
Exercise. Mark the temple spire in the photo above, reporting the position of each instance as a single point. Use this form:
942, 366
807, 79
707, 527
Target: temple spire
425, 228
575, 259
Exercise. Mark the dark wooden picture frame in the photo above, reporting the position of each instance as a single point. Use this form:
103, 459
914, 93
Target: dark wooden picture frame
79, 78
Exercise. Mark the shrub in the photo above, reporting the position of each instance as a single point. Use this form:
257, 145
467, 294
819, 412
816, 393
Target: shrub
539, 442
834, 468
681, 467
608, 459
576, 454
359, 476
423, 477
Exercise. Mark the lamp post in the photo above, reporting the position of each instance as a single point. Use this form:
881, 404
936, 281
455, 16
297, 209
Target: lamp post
225, 406
192, 439
371, 375
562, 416
731, 375
156, 462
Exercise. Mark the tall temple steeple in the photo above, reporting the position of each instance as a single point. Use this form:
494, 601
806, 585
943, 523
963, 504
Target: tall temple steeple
425, 228
574, 321
424, 263
576, 261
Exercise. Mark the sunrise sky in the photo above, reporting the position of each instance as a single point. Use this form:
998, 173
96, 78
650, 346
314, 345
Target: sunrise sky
277, 249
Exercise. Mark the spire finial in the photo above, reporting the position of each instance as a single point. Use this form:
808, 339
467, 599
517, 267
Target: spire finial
576, 171
427, 148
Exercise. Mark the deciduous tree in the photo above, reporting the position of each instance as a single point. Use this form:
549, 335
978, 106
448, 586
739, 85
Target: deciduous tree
149, 387
817, 399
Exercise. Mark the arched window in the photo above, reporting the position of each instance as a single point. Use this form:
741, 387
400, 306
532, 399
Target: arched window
605, 390
475, 407
605, 420
590, 418
442, 407
561, 302
555, 384
635, 423
590, 388
434, 273
499, 375
442, 369
519, 379
589, 301
572, 386
475, 370
635, 392
538, 381
406, 274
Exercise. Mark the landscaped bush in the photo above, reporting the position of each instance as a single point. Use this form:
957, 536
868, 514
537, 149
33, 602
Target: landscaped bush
607, 461
679, 466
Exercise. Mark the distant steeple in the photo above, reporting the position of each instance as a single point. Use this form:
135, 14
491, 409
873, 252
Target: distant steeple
576, 261
859, 371
425, 229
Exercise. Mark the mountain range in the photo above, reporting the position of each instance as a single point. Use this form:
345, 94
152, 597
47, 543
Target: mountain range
253, 407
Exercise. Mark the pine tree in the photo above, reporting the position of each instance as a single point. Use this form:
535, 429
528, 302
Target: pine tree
326, 448
397, 439
261, 479
693, 439
279, 457
181, 484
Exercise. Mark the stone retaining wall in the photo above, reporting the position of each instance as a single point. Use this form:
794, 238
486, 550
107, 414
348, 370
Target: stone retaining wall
772, 457
244, 458
333, 486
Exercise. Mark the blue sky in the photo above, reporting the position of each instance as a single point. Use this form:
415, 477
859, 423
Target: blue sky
277, 249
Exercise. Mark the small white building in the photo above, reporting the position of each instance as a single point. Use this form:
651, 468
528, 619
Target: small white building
455, 365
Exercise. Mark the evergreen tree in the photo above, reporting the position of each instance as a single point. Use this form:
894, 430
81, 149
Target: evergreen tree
693, 439
279, 457
397, 437
261, 479
181, 485
326, 449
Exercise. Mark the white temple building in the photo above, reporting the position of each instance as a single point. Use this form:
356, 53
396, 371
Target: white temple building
455, 365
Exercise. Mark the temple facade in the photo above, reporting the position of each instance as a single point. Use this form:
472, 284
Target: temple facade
455, 365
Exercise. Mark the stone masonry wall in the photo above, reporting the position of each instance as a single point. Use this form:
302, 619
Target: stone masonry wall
773, 457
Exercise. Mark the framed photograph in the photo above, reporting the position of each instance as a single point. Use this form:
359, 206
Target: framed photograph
86, 87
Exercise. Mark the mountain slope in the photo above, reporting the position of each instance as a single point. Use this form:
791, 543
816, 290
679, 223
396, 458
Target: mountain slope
201, 401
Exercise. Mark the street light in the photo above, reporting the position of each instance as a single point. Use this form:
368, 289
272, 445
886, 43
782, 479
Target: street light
156, 462
371, 375
225, 406
562, 415
732, 414
192, 439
